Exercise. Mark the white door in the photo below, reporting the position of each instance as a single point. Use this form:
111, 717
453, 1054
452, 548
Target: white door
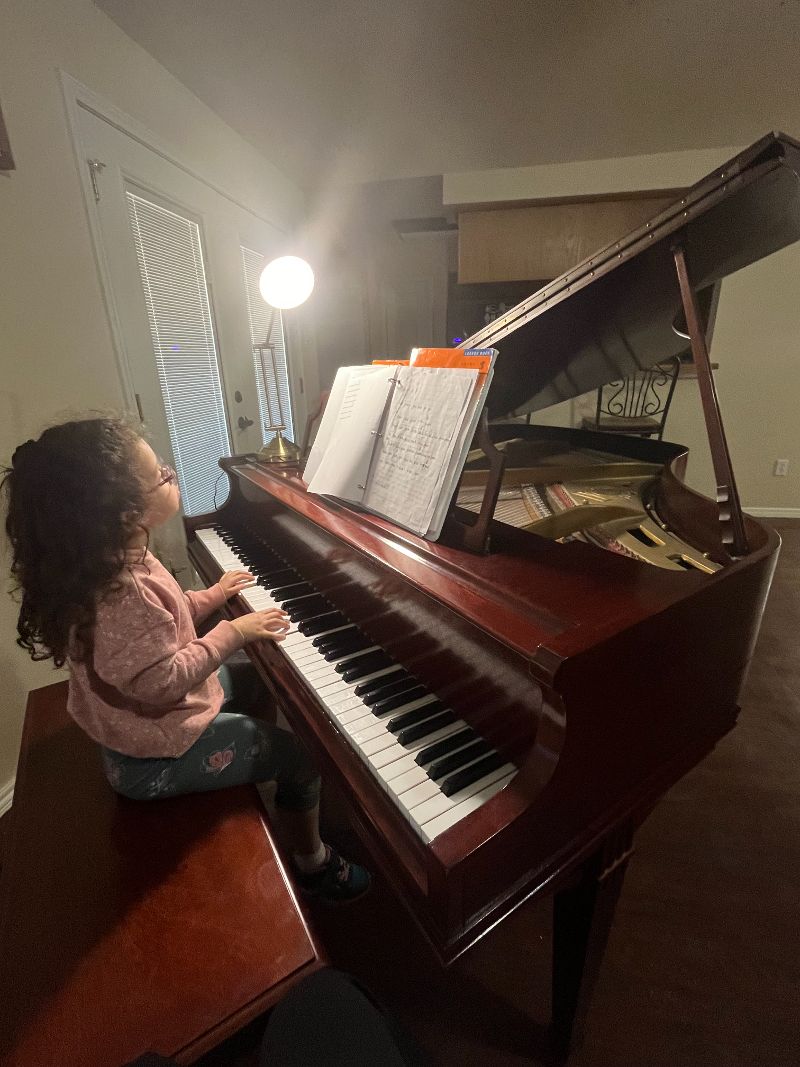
180, 263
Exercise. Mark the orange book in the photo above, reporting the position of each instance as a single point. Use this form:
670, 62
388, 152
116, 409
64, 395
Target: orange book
470, 359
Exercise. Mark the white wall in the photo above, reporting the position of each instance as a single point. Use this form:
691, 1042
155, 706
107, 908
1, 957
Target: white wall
56, 355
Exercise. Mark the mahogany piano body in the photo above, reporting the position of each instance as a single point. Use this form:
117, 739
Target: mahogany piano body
602, 678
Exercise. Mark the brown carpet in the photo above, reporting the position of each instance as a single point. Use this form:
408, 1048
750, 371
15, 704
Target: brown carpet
702, 965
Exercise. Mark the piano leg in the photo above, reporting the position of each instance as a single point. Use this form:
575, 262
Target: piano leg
582, 917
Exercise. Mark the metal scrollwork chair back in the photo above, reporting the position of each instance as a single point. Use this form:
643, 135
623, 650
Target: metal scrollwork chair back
638, 404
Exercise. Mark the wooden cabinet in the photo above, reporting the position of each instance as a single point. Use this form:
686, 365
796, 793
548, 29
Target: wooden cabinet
544, 240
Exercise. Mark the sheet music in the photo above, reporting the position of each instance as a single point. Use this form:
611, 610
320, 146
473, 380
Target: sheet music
340, 406
422, 427
343, 468
459, 455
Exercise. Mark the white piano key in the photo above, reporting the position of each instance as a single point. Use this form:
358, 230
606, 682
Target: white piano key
389, 771
381, 759
319, 672
367, 732
414, 795
350, 714
301, 654
331, 692
378, 744
431, 809
415, 775
392, 764
432, 829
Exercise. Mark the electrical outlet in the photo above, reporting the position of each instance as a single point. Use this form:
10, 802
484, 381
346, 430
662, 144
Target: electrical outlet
781, 468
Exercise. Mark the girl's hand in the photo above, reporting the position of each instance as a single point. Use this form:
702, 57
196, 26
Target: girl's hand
269, 625
234, 582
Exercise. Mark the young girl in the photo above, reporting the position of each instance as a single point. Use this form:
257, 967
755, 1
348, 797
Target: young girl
82, 501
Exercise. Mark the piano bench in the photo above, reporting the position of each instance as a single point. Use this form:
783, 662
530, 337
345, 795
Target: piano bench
129, 926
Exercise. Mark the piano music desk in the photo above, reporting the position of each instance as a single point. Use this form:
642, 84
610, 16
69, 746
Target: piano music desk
128, 926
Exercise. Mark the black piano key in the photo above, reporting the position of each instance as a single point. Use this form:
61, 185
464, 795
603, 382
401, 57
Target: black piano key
308, 601
341, 651
461, 779
365, 665
289, 592
274, 579
350, 658
410, 718
271, 563
306, 608
447, 744
324, 622
266, 567
352, 635
375, 684
447, 764
391, 689
305, 613
422, 729
397, 700
300, 619
327, 641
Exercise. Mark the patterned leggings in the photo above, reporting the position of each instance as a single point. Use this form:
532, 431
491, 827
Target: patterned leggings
233, 749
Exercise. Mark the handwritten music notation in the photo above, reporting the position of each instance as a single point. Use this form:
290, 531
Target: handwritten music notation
393, 439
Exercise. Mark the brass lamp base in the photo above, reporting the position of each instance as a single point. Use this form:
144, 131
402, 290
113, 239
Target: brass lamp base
279, 450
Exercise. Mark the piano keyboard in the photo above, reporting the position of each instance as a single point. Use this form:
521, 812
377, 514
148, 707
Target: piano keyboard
433, 765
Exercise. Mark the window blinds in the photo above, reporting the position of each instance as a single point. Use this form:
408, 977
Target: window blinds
261, 317
174, 282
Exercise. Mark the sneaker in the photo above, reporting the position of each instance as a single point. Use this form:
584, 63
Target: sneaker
338, 882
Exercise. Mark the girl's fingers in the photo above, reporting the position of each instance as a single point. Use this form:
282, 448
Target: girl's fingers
271, 635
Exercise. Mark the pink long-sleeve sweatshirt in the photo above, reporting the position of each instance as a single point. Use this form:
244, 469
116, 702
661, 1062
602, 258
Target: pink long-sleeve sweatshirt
149, 687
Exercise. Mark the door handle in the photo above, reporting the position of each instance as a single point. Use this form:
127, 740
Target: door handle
243, 422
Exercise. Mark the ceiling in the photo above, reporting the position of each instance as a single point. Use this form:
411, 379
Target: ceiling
368, 89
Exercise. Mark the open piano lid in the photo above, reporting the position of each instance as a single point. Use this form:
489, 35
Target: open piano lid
618, 311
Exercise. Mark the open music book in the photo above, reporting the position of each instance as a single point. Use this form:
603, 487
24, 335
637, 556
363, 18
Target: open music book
394, 437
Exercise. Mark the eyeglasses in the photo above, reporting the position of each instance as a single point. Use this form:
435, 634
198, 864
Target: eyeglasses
168, 477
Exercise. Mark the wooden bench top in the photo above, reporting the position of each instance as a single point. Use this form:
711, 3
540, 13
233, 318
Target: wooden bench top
131, 926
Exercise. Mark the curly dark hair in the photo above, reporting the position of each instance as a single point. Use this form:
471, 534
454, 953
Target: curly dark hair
74, 501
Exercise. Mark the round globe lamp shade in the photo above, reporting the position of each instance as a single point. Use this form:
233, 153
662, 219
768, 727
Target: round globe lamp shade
286, 282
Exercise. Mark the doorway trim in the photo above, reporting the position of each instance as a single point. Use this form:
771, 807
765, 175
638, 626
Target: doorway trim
79, 97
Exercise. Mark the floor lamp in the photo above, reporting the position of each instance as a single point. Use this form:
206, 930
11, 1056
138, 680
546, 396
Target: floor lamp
285, 283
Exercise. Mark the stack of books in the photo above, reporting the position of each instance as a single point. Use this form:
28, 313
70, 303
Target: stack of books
395, 434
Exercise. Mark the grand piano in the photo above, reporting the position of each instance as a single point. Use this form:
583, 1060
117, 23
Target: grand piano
503, 708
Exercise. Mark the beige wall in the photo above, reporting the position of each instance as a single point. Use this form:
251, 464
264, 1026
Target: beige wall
56, 354
558, 181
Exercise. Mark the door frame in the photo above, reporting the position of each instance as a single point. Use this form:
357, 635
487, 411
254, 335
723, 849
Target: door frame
79, 97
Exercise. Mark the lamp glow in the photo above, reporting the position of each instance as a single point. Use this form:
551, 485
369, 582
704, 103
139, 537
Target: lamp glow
286, 282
